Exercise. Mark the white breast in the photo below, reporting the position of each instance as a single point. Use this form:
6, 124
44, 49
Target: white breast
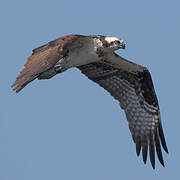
84, 54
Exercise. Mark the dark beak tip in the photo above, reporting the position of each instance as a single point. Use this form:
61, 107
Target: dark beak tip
123, 46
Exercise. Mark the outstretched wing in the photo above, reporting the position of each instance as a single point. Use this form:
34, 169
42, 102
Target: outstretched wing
43, 59
132, 86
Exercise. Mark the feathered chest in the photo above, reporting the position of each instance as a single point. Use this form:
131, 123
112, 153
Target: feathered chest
84, 53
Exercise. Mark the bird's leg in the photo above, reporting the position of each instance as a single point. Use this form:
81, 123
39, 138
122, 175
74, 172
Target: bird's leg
59, 69
60, 66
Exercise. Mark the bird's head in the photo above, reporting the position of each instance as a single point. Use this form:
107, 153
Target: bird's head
110, 44
114, 43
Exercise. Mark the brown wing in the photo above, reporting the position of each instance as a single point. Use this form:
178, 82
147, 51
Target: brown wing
135, 92
42, 59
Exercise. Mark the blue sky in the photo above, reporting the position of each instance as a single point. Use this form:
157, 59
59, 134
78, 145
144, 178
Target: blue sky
68, 127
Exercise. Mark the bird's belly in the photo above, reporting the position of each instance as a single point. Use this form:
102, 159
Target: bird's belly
81, 58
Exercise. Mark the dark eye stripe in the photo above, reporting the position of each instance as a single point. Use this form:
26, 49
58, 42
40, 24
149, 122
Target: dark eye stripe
117, 42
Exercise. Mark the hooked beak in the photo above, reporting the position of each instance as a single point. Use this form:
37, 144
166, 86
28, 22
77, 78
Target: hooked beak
122, 45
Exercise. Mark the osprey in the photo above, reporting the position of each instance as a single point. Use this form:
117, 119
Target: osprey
127, 82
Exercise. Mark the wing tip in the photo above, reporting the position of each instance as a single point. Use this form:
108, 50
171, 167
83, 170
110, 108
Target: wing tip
16, 87
162, 137
153, 143
144, 154
152, 151
166, 149
138, 145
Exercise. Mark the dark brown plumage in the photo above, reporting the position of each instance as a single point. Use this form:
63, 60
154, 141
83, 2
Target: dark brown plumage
43, 58
135, 92
129, 83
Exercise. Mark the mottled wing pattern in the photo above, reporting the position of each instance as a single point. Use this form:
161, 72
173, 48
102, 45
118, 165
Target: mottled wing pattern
135, 92
42, 59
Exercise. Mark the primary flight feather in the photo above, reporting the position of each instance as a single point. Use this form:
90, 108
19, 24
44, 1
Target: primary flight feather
129, 83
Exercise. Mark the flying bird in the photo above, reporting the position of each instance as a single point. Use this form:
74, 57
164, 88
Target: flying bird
129, 83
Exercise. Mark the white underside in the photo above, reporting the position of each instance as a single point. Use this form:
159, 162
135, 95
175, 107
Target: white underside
82, 53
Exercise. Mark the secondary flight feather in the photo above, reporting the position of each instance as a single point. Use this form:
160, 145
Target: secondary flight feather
129, 83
